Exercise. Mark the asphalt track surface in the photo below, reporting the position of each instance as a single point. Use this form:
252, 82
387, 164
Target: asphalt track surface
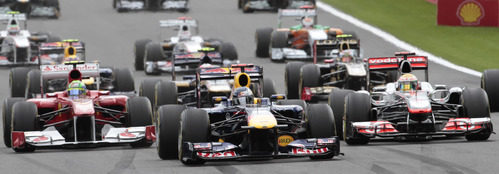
109, 38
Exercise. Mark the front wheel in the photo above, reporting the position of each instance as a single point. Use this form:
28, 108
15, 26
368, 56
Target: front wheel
168, 125
194, 128
357, 109
24, 115
139, 114
321, 125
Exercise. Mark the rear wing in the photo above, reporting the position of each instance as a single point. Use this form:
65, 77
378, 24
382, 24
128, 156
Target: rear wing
13, 15
60, 46
304, 12
49, 72
217, 73
403, 62
178, 22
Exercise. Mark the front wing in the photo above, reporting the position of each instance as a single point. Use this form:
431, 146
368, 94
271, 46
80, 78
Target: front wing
111, 135
213, 151
455, 126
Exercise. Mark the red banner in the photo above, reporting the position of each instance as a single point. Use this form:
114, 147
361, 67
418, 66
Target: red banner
468, 12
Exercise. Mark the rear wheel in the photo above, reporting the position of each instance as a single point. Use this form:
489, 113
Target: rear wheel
357, 109
18, 81
262, 37
139, 114
490, 83
7, 118
476, 105
24, 119
228, 51
309, 77
337, 103
154, 52
147, 89
165, 93
268, 87
123, 80
292, 79
33, 84
321, 125
168, 125
139, 50
194, 128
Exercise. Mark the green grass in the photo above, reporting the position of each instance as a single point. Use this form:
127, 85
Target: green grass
415, 21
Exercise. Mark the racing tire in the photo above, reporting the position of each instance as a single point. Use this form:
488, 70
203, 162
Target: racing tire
123, 80
476, 105
7, 118
336, 101
154, 52
147, 89
228, 51
357, 109
262, 38
139, 51
490, 83
24, 119
18, 81
292, 79
194, 127
246, 10
310, 75
268, 87
165, 92
168, 124
139, 114
279, 39
33, 84
321, 125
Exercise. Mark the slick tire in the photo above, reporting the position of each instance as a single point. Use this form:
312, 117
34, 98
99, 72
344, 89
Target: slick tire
154, 52
490, 83
229, 51
309, 77
292, 79
279, 39
33, 84
476, 105
139, 114
24, 119
168, 125
262, 38
268, 87
336, 101
357, 109
7, 118
139, 51
194, 127
147, 89
18, 81
321, 125
165, 92
123, 80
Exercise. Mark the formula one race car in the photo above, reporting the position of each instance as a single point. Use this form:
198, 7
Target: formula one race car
77, 116
411, 109
210, 81
154, 5
245, 127
248, 6
490, 84
33, 8
297, 42
19, 46
186, 51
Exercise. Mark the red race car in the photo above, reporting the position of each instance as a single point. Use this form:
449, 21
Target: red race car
77, 116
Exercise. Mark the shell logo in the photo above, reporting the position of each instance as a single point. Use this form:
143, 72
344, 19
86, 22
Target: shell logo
470, 12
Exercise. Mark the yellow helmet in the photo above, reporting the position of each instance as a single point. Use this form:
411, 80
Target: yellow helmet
407, 82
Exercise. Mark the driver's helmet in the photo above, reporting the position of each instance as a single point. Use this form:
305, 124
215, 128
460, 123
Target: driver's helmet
407, 82
345, 57
242, 96
77, 89
307, 22
13, 28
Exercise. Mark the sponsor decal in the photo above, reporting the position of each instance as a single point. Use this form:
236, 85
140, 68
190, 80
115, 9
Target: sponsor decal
390, 60
284, 140
302, 151
127, 134
63, 68
470, 12
40, 139
217, 154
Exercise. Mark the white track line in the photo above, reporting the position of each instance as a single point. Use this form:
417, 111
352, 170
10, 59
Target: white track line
392, 39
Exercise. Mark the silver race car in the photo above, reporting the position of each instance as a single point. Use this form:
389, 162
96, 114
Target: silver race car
32, 8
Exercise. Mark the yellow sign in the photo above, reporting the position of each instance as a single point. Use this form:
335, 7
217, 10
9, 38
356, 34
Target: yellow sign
470, 12
284, 140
